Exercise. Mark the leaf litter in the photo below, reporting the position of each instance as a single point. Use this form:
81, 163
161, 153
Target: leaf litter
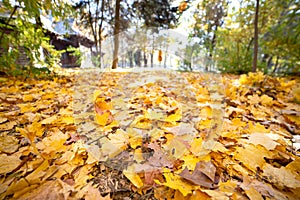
150, 135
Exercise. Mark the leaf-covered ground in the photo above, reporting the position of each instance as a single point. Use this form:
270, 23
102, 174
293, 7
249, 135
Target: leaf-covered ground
150, 135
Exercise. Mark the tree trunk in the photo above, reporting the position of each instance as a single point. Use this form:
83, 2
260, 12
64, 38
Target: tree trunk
254, 64
152, 51
145, 58
100, 31
92, 26
116, 35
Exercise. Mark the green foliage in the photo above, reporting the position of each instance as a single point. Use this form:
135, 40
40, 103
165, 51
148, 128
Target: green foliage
27, 36
155, 13
231, 44
208, 17
76, 53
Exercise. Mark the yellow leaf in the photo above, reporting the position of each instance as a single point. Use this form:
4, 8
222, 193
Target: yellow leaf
103, 105
116, 143
156, 115
294, 118
215, 194
103, 119
36, 128
96, 95
253, 194
94, 154
3, 119
49, 120
252, 156
177, 148
173, 117
203, 124
25, 133
8, 144
48, 96
257, 127
82, 176
135, 139
27, 97
196, 146
294, 166
296, 95
38, 173
133, 177
8, 163
17, 186
263, 139
206, 112
26, 108
238, 122
138, 155
175, 182
266, 100
141, 122
67, 120
281, 177
53, 143
228, 186
190, 161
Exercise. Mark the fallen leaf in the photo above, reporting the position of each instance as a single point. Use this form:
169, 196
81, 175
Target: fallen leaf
7, 126
182, 129
53, 143
176, 182
281, 177
3, 119
8, 163
49, 120
8, 144
133, 177
203, 174
263, 139
253, 194
252, 156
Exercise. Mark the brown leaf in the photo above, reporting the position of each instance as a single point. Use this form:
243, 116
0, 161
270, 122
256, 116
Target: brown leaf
203, 174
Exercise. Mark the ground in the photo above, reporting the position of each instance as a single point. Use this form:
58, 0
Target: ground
150, 135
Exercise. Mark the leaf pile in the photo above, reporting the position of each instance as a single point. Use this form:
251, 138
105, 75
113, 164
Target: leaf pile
151, 135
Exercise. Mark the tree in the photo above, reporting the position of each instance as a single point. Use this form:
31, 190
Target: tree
156, 15
280, 41
93, 16
27, 33
254, 64
278, 36
116, 35
209, 16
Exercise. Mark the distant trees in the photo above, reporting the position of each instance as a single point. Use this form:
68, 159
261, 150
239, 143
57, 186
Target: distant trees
258, 34
209, 17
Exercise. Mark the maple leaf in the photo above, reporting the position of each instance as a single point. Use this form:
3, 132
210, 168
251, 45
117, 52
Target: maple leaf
203, 174
134, 178
175, 182
8, 144
8, 163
